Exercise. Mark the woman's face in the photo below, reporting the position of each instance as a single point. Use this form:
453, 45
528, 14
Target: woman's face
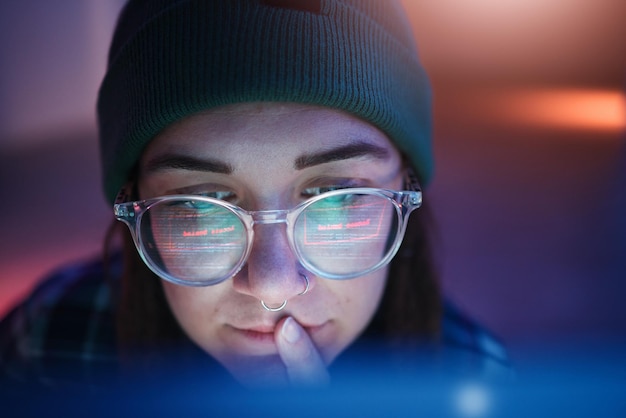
264, 157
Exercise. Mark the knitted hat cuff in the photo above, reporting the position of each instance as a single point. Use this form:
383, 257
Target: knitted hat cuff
171, 59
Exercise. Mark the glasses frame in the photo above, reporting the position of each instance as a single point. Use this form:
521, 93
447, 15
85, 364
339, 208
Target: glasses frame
131, 213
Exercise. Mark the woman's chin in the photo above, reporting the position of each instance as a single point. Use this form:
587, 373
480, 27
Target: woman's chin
257, 371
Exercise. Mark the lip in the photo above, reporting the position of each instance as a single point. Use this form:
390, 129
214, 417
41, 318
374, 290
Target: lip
259, 339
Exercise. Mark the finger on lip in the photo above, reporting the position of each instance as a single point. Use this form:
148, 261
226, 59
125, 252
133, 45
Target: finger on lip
299, 353
302, 328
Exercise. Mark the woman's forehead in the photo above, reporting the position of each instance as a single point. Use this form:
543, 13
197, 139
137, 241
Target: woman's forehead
273, 129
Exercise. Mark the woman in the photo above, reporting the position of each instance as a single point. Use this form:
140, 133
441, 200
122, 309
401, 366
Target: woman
267, 155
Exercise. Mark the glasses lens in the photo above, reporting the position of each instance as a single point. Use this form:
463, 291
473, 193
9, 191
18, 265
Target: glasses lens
346, 234
193, 240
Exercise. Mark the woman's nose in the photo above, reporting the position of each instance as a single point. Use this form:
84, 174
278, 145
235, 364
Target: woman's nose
272, 273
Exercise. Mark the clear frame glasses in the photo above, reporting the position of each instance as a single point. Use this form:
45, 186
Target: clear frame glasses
201, 241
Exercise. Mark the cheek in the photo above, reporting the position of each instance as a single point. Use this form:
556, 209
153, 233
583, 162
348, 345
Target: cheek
366, 295
194, 309
358, 300
362, 296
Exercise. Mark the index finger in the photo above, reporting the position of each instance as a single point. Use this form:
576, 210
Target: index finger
302, 360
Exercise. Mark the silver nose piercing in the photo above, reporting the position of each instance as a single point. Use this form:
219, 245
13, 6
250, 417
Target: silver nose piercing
306, 289
282, 306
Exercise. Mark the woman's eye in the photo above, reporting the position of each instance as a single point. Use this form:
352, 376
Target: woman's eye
197, 204
219, 195
316, 191
333, 200
214, 191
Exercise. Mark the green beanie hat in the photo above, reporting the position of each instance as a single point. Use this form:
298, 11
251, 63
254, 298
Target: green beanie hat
170, 59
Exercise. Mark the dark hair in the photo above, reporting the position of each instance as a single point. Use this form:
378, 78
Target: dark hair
409, 312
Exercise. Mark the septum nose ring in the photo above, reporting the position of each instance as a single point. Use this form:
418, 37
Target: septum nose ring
282, 306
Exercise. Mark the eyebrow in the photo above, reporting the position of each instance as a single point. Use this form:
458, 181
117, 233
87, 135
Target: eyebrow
185, 162
345, 152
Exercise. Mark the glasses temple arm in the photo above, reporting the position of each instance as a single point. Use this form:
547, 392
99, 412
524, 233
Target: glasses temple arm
125, 194
410, 181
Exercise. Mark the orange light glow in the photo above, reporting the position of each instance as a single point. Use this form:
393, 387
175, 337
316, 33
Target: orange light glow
566, 108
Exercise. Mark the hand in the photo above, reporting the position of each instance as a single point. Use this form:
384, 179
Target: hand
303, 362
